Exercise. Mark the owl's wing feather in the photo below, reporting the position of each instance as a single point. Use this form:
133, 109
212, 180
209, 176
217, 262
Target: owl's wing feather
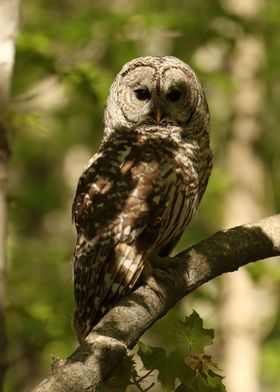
108, 274
112, 210
125, 271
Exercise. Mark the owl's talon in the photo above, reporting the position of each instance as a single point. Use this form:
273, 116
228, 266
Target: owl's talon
153, 285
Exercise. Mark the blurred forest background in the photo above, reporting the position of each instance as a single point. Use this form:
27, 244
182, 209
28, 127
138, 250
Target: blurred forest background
67, 55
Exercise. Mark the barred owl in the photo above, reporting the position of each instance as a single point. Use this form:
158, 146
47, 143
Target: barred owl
140, 190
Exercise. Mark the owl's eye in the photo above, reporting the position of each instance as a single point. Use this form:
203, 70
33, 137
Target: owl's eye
143, 94
174, 95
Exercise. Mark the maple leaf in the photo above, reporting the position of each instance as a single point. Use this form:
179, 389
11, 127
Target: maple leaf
191, 333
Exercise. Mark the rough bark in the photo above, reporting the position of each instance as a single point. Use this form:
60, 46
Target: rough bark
120, 329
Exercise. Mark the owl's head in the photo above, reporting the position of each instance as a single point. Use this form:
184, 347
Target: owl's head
155, 92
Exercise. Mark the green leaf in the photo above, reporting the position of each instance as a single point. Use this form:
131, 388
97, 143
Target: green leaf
157, 358
178, 366
202, 383
170, 366
150, 356
191, 333
207, 383
215, 382
121, 377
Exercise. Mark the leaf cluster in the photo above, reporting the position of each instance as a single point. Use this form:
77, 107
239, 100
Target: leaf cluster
186, 369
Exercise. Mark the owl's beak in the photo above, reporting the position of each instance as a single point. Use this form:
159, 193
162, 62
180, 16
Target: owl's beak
157, 115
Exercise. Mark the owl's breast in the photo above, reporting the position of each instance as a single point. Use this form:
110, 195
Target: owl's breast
167, 186
137, 190
180, 200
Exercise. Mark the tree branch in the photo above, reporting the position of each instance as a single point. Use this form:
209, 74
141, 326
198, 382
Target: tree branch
120, 329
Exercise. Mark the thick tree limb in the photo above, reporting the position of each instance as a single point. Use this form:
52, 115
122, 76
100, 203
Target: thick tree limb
121, 328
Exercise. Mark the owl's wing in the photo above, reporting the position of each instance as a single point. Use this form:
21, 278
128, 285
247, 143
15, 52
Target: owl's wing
112, 208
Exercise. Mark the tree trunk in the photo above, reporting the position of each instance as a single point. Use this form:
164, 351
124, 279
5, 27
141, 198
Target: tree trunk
9, 10
240, 314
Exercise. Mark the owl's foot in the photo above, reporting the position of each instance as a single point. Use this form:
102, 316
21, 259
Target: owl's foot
160, 264
148, 280
146, 273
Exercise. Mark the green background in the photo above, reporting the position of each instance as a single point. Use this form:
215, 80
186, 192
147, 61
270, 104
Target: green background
67, 55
